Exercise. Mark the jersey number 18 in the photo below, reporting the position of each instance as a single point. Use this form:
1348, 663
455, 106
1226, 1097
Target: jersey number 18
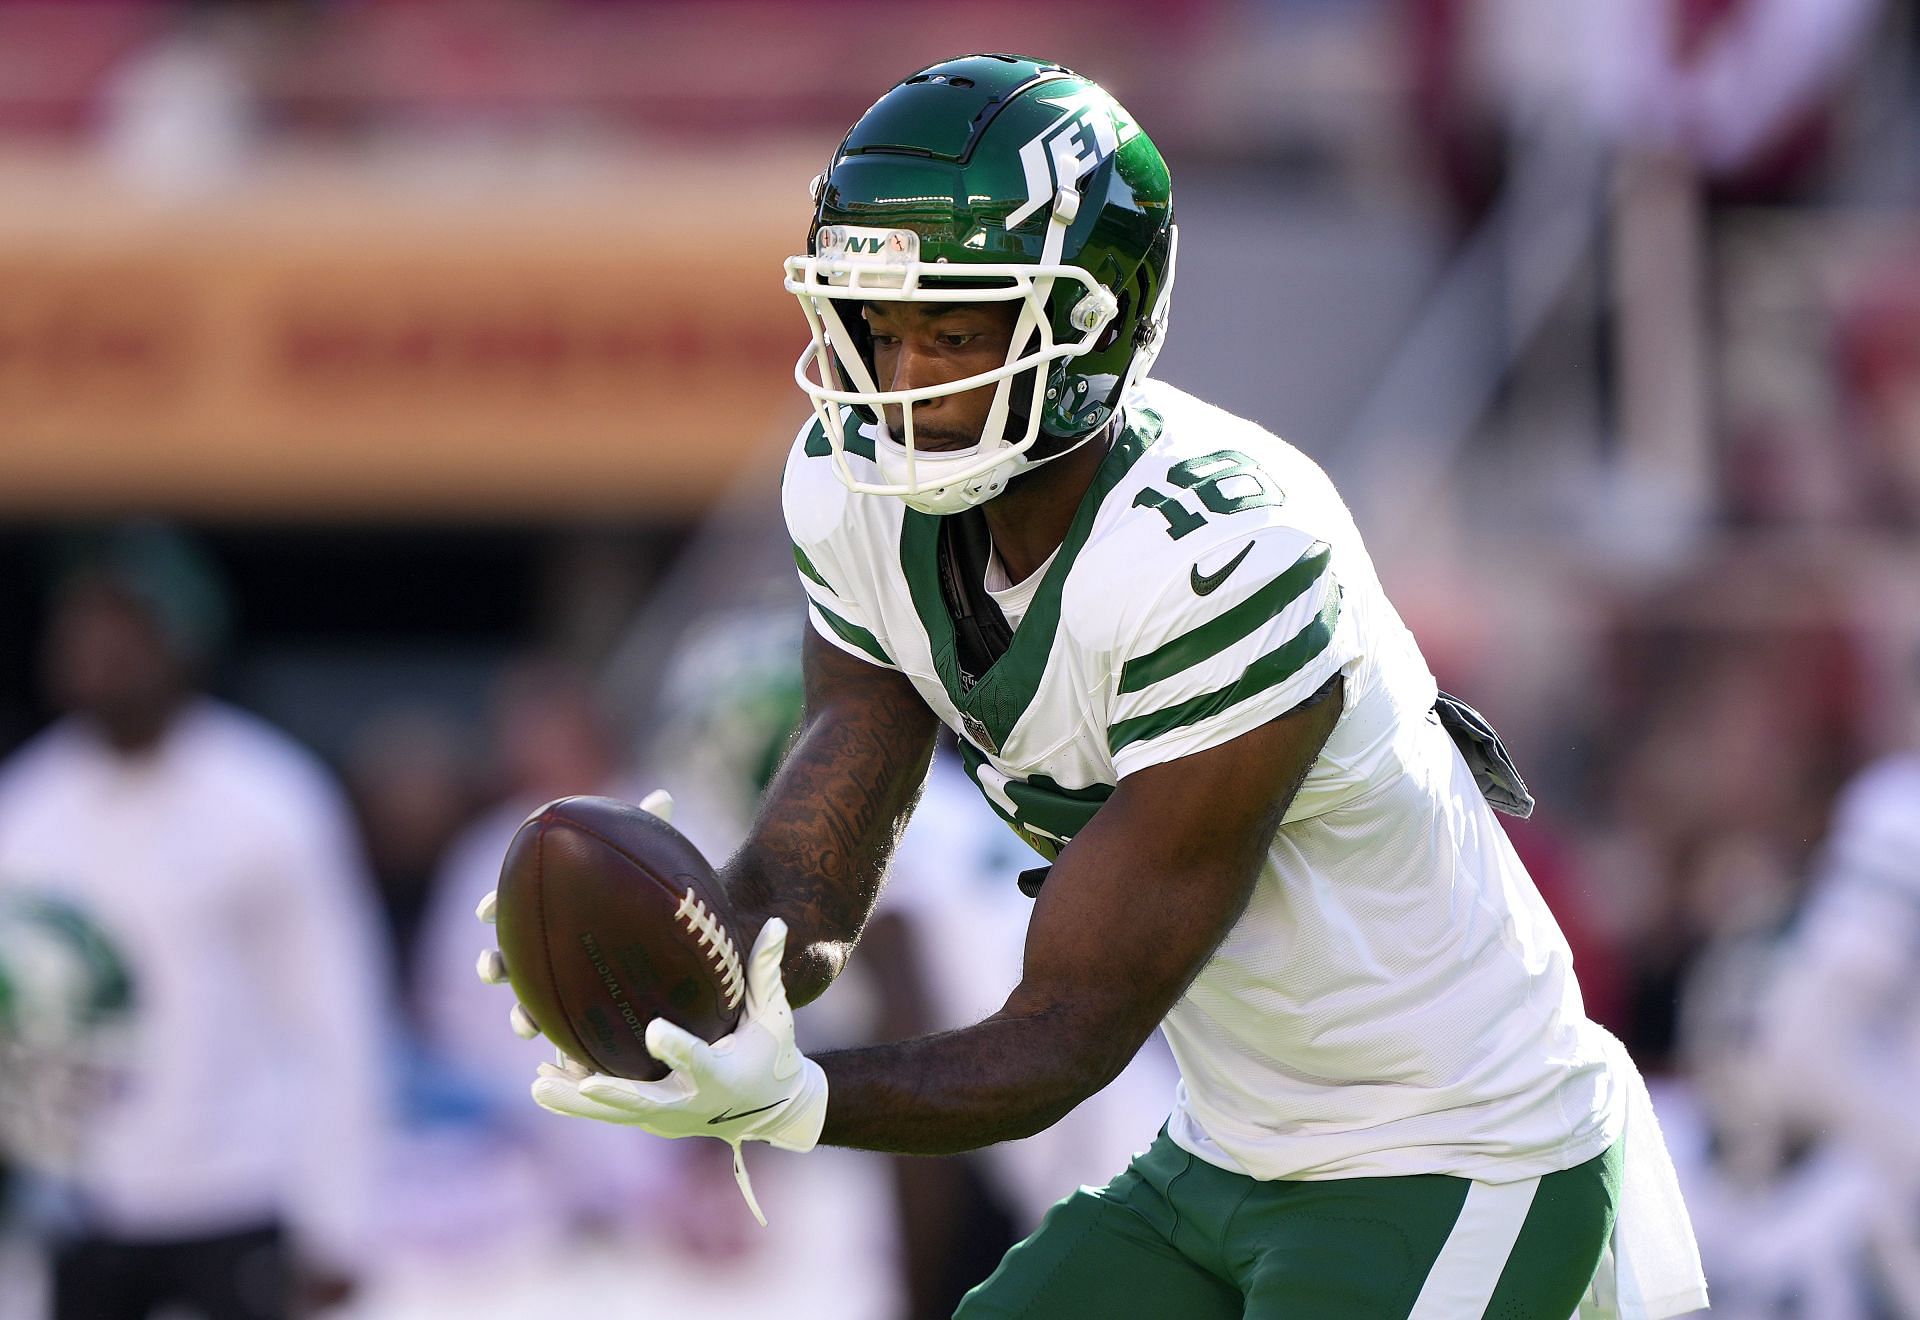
1207, 477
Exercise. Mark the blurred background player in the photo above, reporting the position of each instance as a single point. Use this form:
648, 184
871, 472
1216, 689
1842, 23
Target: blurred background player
1782, 1209
233, 1165
1840, 1028
549, 737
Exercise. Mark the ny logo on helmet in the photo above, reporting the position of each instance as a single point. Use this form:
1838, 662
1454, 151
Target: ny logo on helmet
852, 241
1091, 127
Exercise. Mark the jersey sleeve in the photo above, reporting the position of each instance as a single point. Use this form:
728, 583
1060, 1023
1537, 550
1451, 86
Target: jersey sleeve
815, 505
1208, 666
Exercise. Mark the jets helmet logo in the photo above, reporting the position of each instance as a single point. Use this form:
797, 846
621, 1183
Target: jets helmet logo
1091, 127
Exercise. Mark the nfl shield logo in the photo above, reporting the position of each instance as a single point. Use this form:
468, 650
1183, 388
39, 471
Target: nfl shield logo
977, 733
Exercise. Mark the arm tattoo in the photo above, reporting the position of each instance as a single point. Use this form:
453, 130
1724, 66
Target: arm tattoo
828, 824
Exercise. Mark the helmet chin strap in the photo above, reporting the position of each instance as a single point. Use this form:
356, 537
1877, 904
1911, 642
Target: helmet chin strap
977, 490
1028, 463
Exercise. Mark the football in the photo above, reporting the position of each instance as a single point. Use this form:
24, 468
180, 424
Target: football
609, 918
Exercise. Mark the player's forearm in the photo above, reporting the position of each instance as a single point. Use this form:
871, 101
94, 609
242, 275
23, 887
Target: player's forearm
826, 831
999, 1080
825, 920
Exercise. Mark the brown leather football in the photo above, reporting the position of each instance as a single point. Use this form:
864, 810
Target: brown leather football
609, 918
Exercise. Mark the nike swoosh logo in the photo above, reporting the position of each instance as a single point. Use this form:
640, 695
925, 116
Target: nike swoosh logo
1204, 583
729, 1117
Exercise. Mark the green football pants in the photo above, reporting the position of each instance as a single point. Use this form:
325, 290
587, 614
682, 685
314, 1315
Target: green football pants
1176, 1238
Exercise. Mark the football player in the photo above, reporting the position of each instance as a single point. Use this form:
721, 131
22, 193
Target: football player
1841, 1038
1171, 668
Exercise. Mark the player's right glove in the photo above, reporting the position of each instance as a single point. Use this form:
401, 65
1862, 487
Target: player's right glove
753, 1084
493, 968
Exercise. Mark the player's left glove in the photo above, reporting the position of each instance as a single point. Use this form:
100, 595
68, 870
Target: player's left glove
753, 1084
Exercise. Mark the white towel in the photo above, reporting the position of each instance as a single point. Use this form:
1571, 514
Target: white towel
1651, 1269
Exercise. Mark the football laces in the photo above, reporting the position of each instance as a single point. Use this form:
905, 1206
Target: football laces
719, 946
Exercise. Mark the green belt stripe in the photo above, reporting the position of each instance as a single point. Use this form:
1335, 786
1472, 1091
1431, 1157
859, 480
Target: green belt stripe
806, 567
1273, 668
1217, 634
853, 633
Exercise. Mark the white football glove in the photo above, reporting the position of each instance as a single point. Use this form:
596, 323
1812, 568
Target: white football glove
750, 1085
493, 968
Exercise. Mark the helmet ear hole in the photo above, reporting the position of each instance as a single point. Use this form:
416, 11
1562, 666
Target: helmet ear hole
1138, 302
1133, 299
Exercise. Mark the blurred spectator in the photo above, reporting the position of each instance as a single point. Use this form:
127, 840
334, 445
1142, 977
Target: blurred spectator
410, 778
1781, 1215
235, 1166
1753, 85
1729, 734
1843, 1027
1879, 347
178, 114
550, 738
1744, 89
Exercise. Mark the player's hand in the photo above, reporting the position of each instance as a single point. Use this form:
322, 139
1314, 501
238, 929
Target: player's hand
750, 1085
493, 968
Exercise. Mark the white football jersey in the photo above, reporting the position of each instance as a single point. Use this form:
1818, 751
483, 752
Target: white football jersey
1396, 998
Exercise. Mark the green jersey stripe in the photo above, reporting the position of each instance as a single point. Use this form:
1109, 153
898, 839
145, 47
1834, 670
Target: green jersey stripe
859, 445
1270, 670
999, 697
1230, 626
853, 633
805, 565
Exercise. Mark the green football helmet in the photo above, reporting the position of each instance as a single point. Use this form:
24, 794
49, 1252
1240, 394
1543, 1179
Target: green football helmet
65, 1005
989, 178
